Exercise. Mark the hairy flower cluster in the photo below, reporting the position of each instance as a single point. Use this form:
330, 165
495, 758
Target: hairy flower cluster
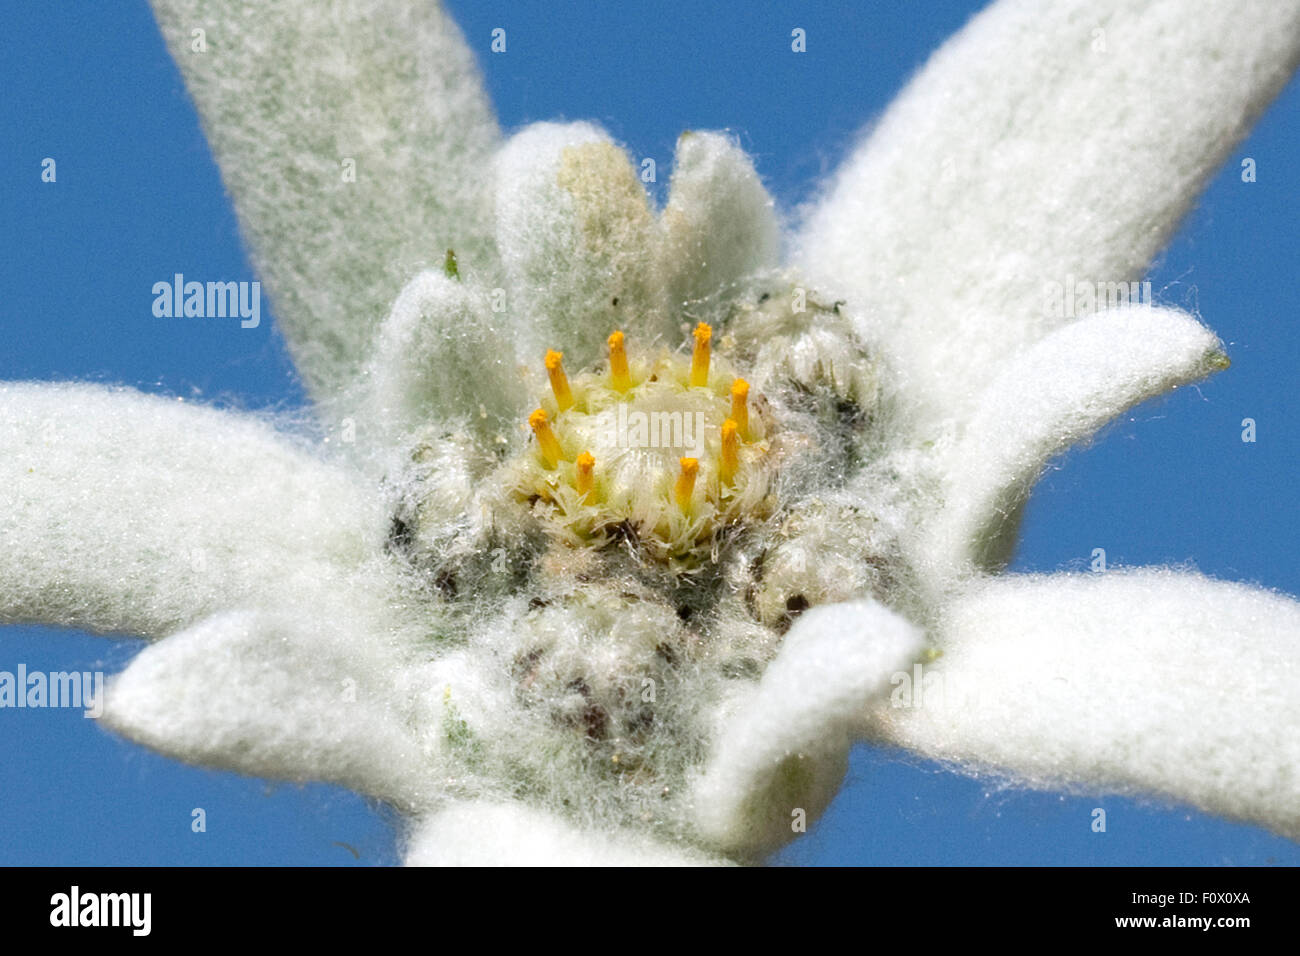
643, 619
630, 563
660, 452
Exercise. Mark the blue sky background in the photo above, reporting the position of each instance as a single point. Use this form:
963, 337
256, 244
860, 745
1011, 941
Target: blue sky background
138, 198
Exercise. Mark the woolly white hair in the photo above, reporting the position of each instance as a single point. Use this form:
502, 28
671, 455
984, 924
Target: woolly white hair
393, 614
1024, 154
1146, 681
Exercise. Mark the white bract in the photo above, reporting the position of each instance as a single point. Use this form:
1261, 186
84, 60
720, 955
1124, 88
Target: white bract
754, 495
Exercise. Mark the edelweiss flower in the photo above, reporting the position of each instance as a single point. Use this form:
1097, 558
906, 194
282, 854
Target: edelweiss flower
620, 532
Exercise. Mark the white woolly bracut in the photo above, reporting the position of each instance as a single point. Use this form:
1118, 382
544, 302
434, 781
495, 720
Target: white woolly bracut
352, 138
138, 514
488, 833
1145, 681
1055, 394
451, 324
784, 750
577, 238
719, 225
299, 694
1045, 142
550, 637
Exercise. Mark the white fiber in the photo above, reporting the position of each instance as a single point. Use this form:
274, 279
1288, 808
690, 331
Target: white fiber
577, 236
1145, 681
138, 514
719, 225
1045, 142
784, 750
443, 358
1055, 394
353, 138
301, 693
513, 834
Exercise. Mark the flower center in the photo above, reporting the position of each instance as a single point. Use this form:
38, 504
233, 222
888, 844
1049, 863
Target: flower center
663, 449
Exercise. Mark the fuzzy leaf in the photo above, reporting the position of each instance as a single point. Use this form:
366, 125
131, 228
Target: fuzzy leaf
784, 749
131, 513
296, 694
354, 136
1044, 143
486, 833
1146, 682
1055, 394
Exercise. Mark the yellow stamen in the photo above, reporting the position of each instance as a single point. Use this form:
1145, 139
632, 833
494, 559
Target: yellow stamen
685, 486
700, 357
622, 379
585, 481
559, 381
546, 440
730, 459
740, 406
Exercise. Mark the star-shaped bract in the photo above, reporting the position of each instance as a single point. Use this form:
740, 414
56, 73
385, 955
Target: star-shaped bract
313, 601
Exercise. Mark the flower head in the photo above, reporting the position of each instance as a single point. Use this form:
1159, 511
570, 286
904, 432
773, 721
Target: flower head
636, 525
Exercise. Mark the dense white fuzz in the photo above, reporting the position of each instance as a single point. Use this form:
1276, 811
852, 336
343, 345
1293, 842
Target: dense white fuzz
792, 338
353, 137
719, 225
443, 359
512, 834
828, 549
1149, 680
139, 514
312, 691
581, 645
784, 749
576, 234
1045, 143
1052, 395
590, 703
